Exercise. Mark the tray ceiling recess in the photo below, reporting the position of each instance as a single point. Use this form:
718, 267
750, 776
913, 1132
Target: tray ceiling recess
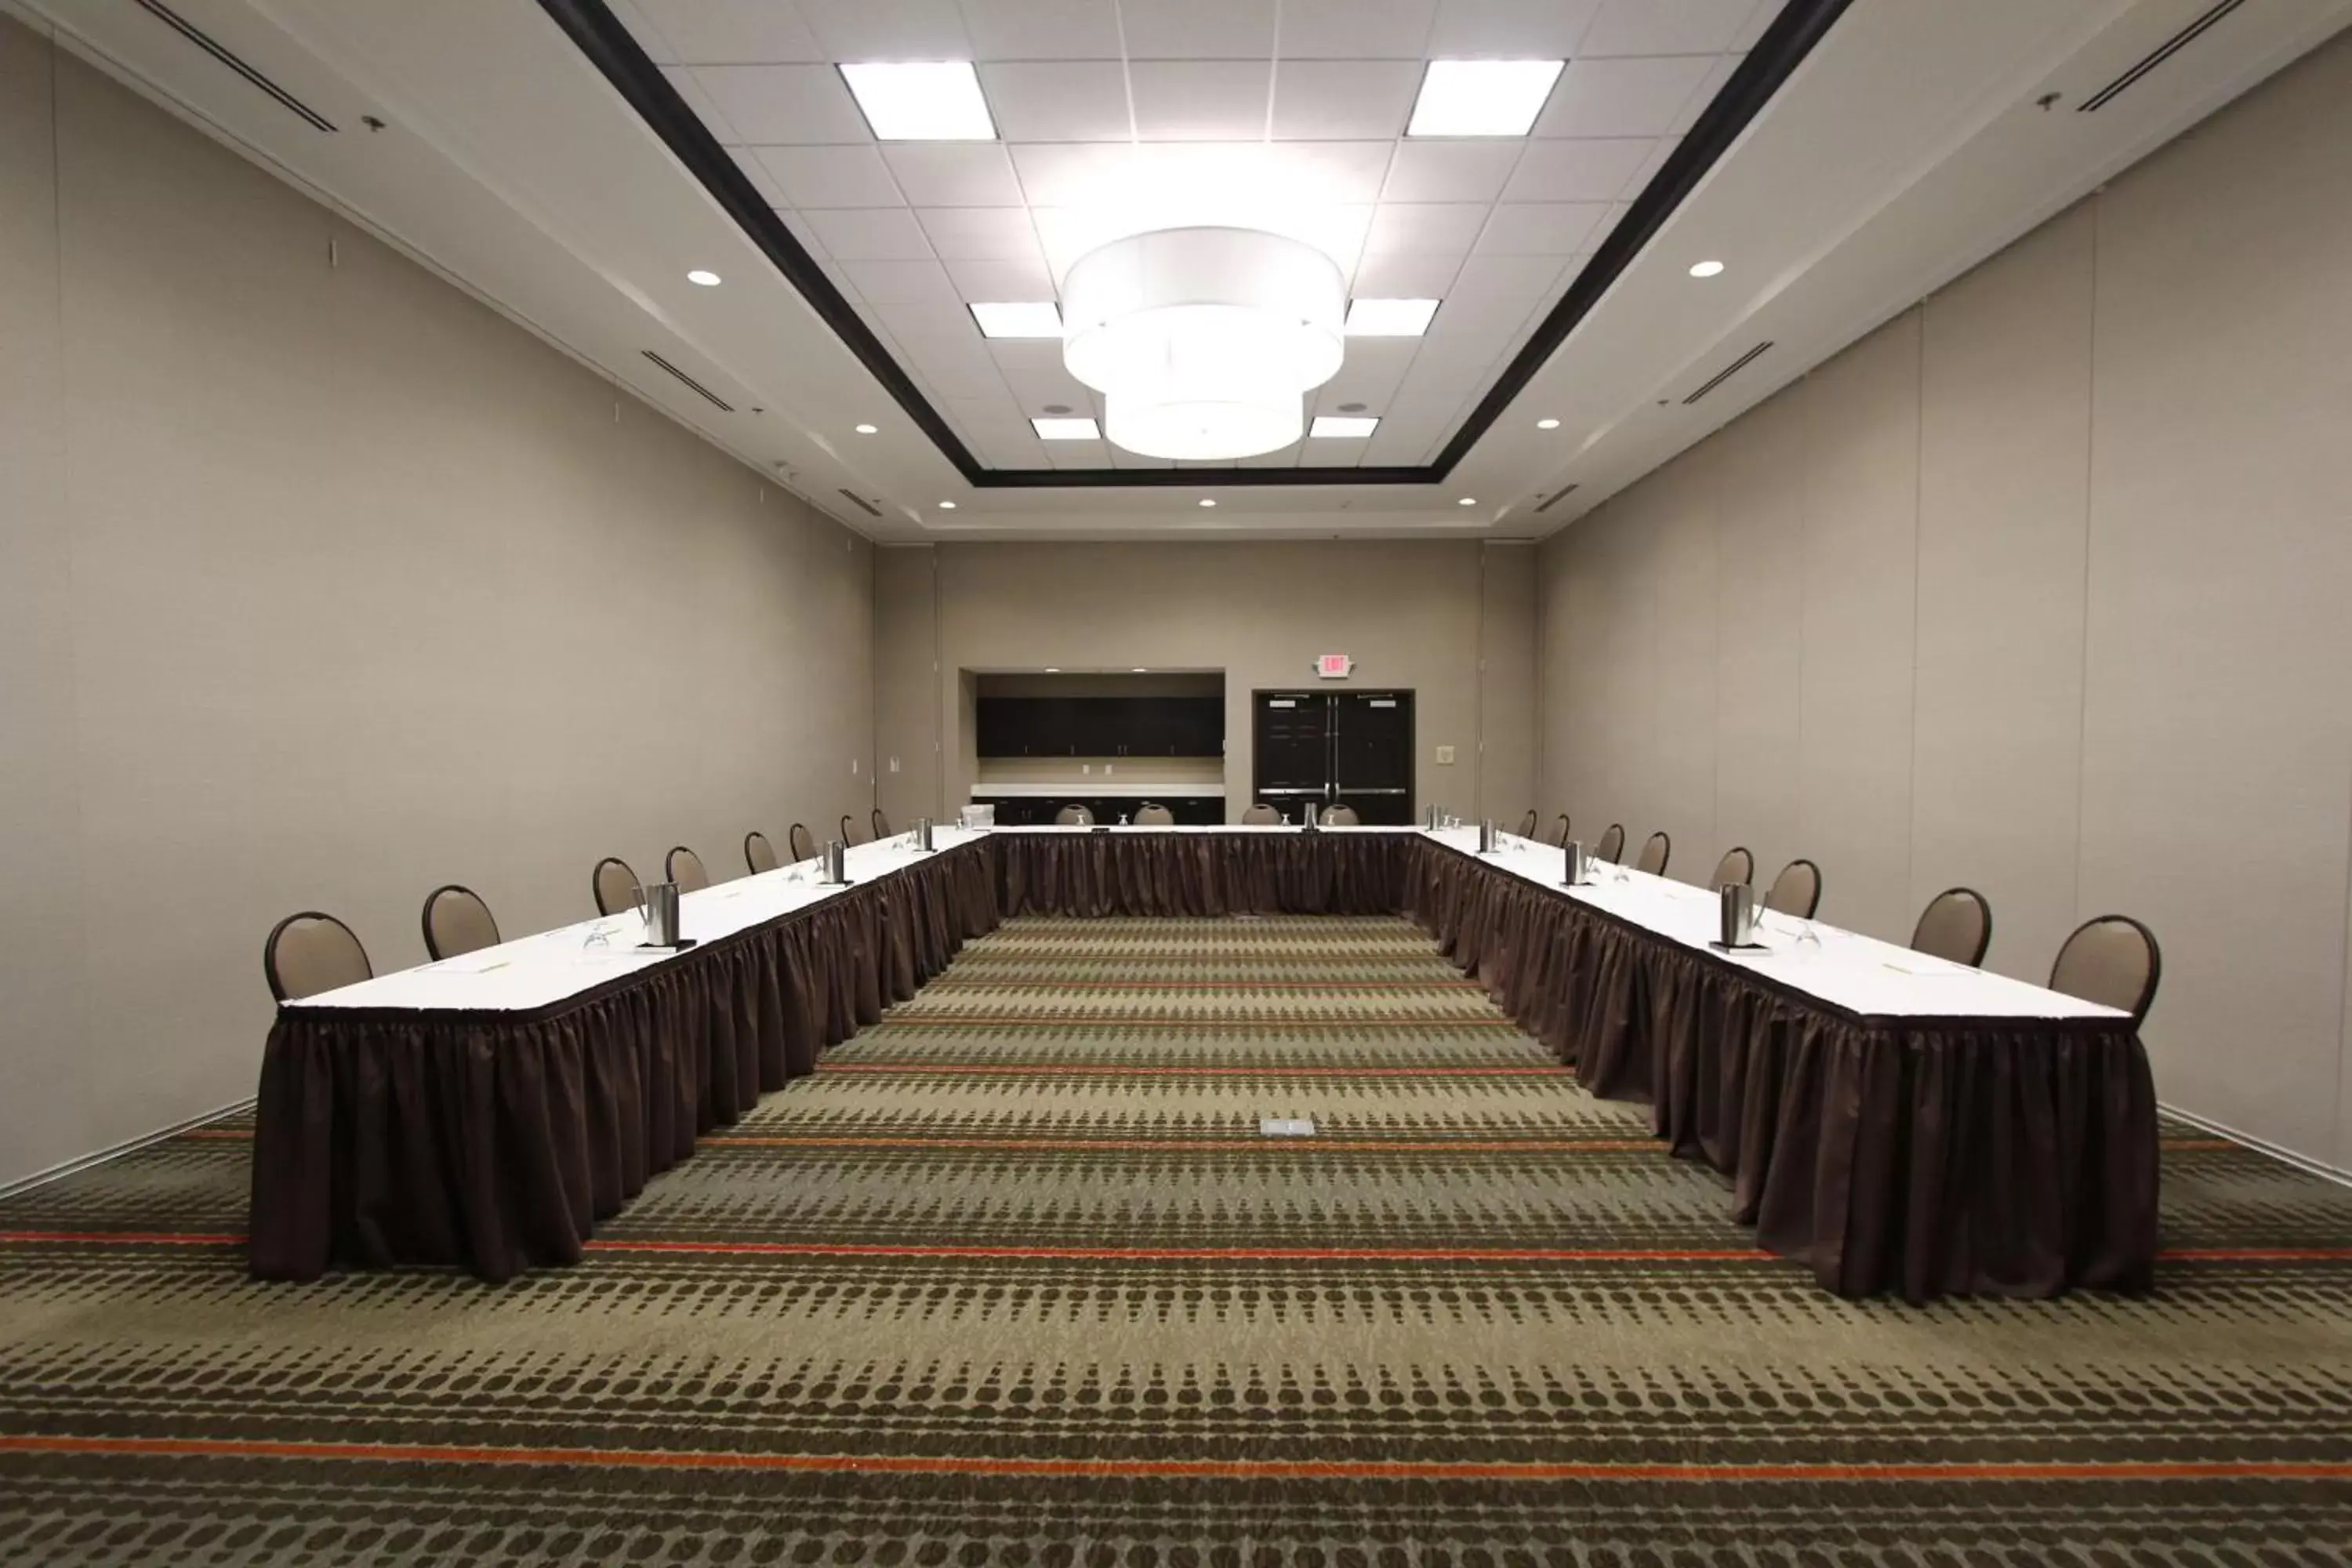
1514, 236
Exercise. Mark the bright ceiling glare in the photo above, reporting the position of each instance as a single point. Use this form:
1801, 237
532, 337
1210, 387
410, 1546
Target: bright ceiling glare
947, 506
1079, 429
1481, 98
1467, 500
1390, 317
705, 278
1706, 268
1028, 318
1341, 427
1546, 424
921, 101
1208, 500
866, 429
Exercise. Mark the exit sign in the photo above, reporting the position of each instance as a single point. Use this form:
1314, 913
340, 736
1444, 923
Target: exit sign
1334, 666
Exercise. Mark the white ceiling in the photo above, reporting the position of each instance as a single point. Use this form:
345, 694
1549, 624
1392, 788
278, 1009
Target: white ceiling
1122, 116
1909, 145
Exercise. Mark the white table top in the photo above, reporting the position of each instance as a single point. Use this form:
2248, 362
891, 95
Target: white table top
1858, 974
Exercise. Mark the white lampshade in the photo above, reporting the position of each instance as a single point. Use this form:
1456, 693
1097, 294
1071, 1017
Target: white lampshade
1204, 340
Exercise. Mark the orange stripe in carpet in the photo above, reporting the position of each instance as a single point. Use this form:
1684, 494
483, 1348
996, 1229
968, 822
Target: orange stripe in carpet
1191, 1145
123, 1237
1105, 1069
1205, 1469
1184, 1021
1204, 1254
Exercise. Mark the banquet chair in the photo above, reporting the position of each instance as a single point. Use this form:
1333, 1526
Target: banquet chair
2111, 960
1957, 924
1150, 816
1527, 824
1074, 816
1261, 816
881, 824
616, 886
309, 952
1559, 840
1612, 846
758, 854
802, 842
1737, 866
849, 830
1341, 816
1797, 890
684, 867
1654, 850
455, 921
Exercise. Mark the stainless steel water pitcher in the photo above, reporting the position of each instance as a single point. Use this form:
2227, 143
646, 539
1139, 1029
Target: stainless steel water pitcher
658, 906
836, 863
1738, 915
1486, 836
1577, 864
923, 834
1429, 819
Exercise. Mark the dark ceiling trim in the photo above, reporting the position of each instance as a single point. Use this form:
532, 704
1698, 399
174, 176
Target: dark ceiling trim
599, 34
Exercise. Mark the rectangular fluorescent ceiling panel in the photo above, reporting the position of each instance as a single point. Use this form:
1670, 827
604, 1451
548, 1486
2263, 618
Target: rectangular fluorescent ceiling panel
1341, 426
1390, 317
921, 101
1481, 98
1066, 429
1042, 319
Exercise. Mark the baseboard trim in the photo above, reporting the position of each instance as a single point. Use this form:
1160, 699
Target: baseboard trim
2303, 1163
128, 1146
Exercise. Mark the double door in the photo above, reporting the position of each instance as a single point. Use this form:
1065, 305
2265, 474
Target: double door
1335, 748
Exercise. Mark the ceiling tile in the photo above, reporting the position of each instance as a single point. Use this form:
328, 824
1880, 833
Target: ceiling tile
1370, 375
885, 29
1350, 171
1433, 229
1589, 171
986, 280
1355, 30
1200, 100
800, 231
1073, 173
1068, 233
1451, 171
1659, 153
706, 109
831, 176
1667, 26
981, 233
1719, 71
1509, 29
1198, 29
903, 283
953, 173
1404, 277
1057, 100
1039, 384
1543, 228
731, 31
868, 234
1621, 97
1334, 99
748, 160
1087, 455
1496, 292
648, 36
770, 105
1041, 29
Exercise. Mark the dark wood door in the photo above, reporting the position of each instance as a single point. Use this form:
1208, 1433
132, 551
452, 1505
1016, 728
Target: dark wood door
1326, 747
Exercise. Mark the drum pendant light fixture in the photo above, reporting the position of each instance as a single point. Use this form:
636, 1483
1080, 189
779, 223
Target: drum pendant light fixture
1203, 341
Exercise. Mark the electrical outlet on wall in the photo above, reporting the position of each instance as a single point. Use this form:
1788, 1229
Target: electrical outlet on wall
1445, 756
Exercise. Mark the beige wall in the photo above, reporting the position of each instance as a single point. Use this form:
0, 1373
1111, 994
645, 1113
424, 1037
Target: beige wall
1411, 613
2042, 588
320, 586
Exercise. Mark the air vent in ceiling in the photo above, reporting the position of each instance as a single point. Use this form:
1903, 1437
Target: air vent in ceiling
718, 401
861, 503
1726, 372
1554, 499
2157, 57
227, 56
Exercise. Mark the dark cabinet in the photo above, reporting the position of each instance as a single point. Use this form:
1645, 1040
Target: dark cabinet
1100, 727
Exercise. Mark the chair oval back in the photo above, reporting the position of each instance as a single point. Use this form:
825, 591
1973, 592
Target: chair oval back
1341, 816
1655, 851
758, 854
684, 867
615, 886
1074, 816
803, 842
881, 824
1797, 890
1527, 824
1150, 816
1612, 846
1559, 838
849, 829
456, 921
1737, 866
1957, 924
310, 952
2111, 960
1260, 816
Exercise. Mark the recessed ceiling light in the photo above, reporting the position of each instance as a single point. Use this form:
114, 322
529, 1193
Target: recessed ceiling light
1040, 319
947, 506
1546, 424
1481, 98
1467, 500
707, 278
1335, 426
1139, 670
1390, 317
1053, 669
1208, 500
921, 101
866, 429
1706, 268
1079, 429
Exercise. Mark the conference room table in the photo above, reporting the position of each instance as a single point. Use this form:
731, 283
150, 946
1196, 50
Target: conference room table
1896, 1122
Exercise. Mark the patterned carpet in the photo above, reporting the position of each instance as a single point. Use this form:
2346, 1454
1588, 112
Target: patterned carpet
1015, 1280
